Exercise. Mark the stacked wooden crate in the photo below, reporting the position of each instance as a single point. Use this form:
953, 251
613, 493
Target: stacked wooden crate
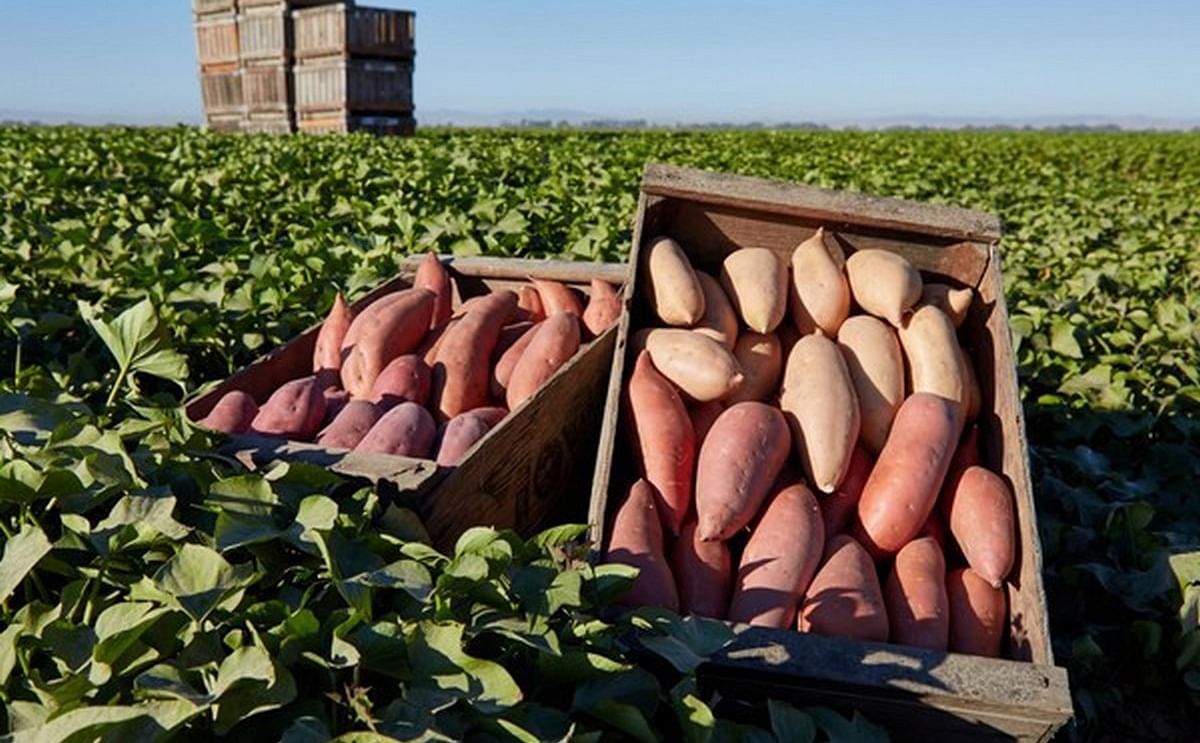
265, 34
354, 69
217, 51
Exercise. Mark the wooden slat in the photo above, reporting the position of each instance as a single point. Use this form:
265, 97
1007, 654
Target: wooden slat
576, 272
827, 206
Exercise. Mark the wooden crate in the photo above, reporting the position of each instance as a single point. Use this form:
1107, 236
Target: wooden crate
227, 123
268, 123
340, 122
217, 39
536, 463
344, 31
221, 89
918, 694
265, 32
359, 85
208, 7
267, 87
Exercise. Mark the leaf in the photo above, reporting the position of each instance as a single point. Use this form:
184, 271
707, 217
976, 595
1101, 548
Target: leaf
254, 697
695, 717
857, 729
199, 579
1062, 339
306, 730
438, 661
138, 342
789, 723
21, 554
405, 575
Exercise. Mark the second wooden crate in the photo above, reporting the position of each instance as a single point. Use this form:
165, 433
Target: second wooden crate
358, 85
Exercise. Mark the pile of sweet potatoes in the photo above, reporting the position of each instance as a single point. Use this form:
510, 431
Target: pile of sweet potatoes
411, 376
805, 450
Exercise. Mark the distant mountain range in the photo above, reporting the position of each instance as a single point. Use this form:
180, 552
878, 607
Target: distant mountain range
573, 117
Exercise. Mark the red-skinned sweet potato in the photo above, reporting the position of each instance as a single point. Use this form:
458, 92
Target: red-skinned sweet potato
915, 594
637, 540
704, 574
390, 327
405, 379
491, 415
663, 440
233, 413
977, 614
460, 434
432, 275
982, 520
603, 308
295, 411
327, 355
460, 372
554, 343
839, 507
407, 430
507, 361
703, 416
558, 297
844, 598
350, 426
530, 302
335, 399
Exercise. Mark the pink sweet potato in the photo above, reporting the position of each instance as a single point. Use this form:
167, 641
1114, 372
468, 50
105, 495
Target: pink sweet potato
704, 415
844, 598
558, 297
350, 426
491, 415
839, 507
327, 355
405, 379
407, 430
779, 560
507, 358
742, 455
531, 303
977, 614
915, 594
980, 512
704, 574
663, 440
431, 275
460, 371
637, 540
295, 411
603, 308
460, 434
233, 413
554, 343
335, 399
390, 327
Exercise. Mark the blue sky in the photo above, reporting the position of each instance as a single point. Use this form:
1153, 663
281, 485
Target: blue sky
667, 60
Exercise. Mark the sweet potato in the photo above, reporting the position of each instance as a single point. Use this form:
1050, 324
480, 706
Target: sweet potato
509, 335
461, 367
779, 560
704, 574
742, 455
335, 399
822, 408
915, 594
876, 365
428, 348
972, 400
720, 320
637, 540
965, 455
904, 484
673, 289
980, 512
295, 411
389, 327
432, 275
490, 415
405, 378
460, 434
555, 341
839, 507
233, 413
703, 416
956, 303
503, 369
820, 296
407, 430
934, 358
844, 598
977, 614
756, 281
663, 438
529, 301
327, 355
558, 297
884, 284
699, 366
603, 308
350, 426
760, 356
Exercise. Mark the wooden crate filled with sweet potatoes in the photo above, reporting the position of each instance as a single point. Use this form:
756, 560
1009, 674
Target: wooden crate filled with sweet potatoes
814, 432
469, 390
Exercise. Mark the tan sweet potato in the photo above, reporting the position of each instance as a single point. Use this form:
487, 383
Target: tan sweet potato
350, 426
554, 343
460, 434
503, 369
407, 430
672, 287
956, 303
558, 297
233, 413
530, 302
663, 438
844, 598
820, 296
821, 406
637, 540
699, 366
704, 574
327, 355
779, 560
603, 308
389, 327
461, 367
839, 507
703, 416
876, 365
934, 357
915, 594
720, 320
756, 281
295, 411
405, 378
432, 275
742, 455
982, 520
760, 356
884, 284
977, 614
904, 484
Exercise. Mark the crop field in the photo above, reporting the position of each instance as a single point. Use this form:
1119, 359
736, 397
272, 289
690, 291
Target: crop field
149, 587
